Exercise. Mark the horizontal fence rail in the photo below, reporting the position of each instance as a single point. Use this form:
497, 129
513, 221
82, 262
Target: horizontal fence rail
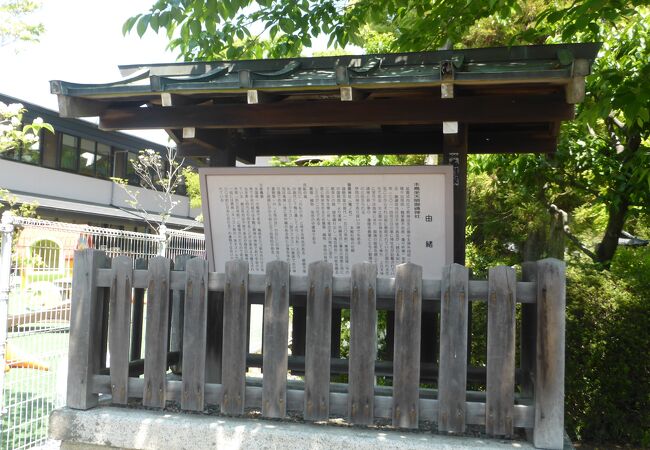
197, 324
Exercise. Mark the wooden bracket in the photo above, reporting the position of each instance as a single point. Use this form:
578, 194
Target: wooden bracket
253, 97
168, 99
349, 94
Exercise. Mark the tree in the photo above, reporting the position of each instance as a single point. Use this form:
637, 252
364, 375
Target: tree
613, 124
160, 174
15, 24
14, 135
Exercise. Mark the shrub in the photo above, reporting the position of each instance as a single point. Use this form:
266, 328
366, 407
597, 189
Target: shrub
608, 351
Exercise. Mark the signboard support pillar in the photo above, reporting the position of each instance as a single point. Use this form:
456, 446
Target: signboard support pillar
214, 331
455, 154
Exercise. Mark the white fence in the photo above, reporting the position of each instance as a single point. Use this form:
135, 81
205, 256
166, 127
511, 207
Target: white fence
35, 284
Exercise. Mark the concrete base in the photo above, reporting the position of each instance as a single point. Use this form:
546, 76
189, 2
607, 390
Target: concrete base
122, 428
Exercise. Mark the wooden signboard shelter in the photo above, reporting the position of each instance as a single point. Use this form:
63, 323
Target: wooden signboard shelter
449, 102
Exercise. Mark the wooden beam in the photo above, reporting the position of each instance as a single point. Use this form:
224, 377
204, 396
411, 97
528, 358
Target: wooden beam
209, 142
396, 143
411, 111
80, 107
455, 154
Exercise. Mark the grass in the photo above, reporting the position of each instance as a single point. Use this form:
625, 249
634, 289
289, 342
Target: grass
30, 395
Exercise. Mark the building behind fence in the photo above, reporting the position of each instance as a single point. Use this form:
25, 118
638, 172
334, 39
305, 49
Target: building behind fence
35, 290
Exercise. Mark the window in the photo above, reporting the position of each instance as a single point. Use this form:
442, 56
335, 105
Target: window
87, 157
69, 153
131, 176
31, 155
47, 254
103, 161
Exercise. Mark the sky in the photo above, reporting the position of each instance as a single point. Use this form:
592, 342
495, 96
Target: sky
82, 43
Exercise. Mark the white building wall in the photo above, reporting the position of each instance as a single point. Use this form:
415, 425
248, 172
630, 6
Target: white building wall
41, 181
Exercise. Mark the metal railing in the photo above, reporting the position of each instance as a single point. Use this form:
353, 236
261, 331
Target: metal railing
36, 270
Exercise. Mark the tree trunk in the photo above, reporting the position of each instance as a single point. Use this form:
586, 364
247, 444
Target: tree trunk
607, 247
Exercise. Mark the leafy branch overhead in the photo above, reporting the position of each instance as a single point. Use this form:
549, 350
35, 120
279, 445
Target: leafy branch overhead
234, 29
16, 24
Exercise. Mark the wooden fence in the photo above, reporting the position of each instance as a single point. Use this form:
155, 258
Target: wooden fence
197, 324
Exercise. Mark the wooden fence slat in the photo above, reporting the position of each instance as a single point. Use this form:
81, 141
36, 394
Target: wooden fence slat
119, 327
318, 341
363, 343
500, 401
155, 349
452, 378
528, 333
406, 369
235, 308
548, 431
194, 335
84, 354
138, 314
276, 336
177, 311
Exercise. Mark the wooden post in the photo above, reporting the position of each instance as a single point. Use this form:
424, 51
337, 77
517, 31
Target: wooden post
155, 349
452, 377
276, 335
528, 335
363, 343
214, 336
406, 365
318, 351
235, 308
120, 318
85, 329
500, 401
177, 311
549, 367
194, 335
138, 314
455, 154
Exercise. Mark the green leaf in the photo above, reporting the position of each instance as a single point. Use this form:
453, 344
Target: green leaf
143, 23
195, 27
287, 25
128, 25
153, 22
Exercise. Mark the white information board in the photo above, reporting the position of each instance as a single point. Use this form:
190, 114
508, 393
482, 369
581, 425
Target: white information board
384, 215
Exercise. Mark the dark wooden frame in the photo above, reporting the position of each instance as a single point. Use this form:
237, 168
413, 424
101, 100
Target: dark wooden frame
254, 172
